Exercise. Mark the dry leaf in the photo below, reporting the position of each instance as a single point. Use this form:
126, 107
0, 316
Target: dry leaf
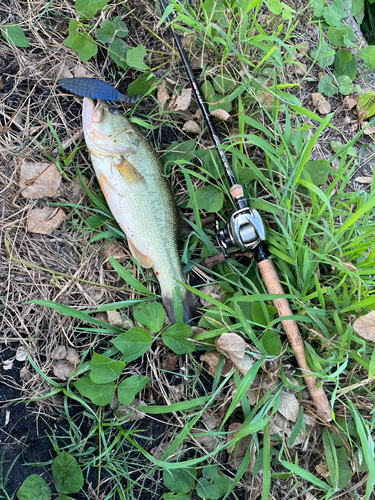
300, 70
181, 102
233, 347
25, 374
59, 352
363, 180
126, 324
213, 291
212, 359
370, 130
62, 70
322, 469
131, 411
302, 49
114, 250
365, 326
191, 127
320, 103
163, 95
309, 496
237, 454
8, 364
39, 180
289, 406
349, 102
169, 361
62, 369
45, 221
114, 318
78, 192
1, 83
81, 71
72, 357
266, 99
21, 354
221, 114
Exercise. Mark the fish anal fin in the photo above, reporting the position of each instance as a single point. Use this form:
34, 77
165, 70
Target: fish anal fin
128, 172
144, 260
104, 184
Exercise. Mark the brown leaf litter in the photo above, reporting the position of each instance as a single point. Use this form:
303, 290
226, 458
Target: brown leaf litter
364, 326
45, 220
39, 180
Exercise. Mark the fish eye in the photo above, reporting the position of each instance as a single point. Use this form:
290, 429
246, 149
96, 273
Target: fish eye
113, 111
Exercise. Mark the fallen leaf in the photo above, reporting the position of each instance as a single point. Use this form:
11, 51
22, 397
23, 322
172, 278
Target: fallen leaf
233, 347
300, 70
59, 352
181, 102
364, 326
169, 361
237, 453
320, 103
221, 114
212, 359
289, 406
302, 49
62, 70
322, 469
39, 180
370, 130
114, 318
309, 496
78, 192
72, 357
163, 95
1, 83
81, 71
191, 127
131, 411
45, 221
349, 102
21, 354
266, 99
62, 369
8, 364
25, 374
213, 291
363, 180
126, 324
114, 250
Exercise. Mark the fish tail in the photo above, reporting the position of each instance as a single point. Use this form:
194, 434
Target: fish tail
189, 306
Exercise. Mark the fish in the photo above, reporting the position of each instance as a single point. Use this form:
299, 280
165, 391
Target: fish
132, 179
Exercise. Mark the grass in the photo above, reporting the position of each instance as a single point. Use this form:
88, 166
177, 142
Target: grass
320, 237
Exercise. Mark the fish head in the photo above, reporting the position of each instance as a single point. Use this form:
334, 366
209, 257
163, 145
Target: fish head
107, 133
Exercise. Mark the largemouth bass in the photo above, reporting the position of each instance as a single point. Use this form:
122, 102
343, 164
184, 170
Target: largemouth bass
133, 182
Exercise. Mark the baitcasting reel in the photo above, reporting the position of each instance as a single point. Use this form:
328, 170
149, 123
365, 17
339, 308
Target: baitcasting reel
245, 229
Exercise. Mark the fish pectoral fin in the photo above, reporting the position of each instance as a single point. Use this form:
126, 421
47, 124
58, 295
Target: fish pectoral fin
128, 172
144, 260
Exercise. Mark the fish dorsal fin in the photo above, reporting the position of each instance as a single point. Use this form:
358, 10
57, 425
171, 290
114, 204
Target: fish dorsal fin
141, 258
128, 172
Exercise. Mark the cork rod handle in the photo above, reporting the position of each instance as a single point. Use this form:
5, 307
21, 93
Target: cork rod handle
273, 285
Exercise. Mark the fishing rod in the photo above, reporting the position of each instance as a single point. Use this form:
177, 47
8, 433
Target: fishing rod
245, 230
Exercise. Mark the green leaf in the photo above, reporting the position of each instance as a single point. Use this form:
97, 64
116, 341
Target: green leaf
326, 86
176, 338
257, 314
120, 27
130, 387
335, 36
209, 198
134, 58
100, 394
88, 8
341, 60
212, 485
351, 69
180, 151
34, 488
207, 91
150, 314
275, 6
337, 146
219, 101
334, 12
223, 83
272, 343
246, 175
104, 370
318, 5
175, 496
368, 55
106, 33
14, 34
133, 343
357, 6
67, 473
324, 54
318, 171
345, 84
141, 85
180, 480
95, 221
367, 103
81, 43
118, 52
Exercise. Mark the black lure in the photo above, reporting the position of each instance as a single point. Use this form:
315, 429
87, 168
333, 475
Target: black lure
96, 89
